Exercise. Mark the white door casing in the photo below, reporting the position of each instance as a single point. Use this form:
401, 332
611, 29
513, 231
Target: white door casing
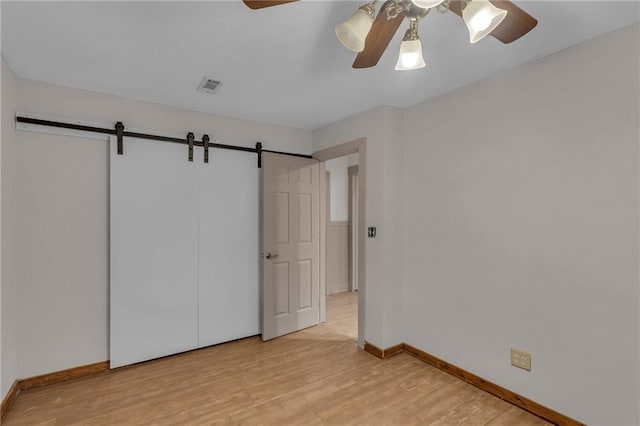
353, 225
291, 244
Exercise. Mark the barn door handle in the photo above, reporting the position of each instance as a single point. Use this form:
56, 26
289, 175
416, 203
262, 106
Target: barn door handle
268, 255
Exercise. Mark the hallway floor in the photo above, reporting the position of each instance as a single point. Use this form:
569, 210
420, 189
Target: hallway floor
342, 314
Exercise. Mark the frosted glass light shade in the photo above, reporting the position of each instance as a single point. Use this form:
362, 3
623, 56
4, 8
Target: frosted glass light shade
427, 4
353, 32
410, 57
481, 18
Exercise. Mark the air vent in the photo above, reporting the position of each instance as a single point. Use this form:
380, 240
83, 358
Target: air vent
209, 85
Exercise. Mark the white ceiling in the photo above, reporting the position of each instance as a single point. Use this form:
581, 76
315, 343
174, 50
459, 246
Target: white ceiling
281, 65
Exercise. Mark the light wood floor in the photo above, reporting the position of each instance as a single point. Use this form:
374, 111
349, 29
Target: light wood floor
342, 314
315, 376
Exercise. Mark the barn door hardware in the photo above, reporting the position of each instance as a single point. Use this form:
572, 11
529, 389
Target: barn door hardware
120, 133
205, 142
190, 142
259, 151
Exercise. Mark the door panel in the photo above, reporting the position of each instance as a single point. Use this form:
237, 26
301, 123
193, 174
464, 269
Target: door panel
305, 222
282, 220
291, 214
229, 252
281, 288
154, 252
305, 284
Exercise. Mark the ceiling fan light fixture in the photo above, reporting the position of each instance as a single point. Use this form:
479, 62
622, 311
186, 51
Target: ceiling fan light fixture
353, 32
427, 4
481, 17
410, 57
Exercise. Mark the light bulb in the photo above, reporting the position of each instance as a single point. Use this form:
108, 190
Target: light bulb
410, 57
353, 32
481, 18
427, 4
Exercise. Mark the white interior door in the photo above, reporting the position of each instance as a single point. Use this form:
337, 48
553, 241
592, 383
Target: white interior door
154, 252
291, 244
229, 252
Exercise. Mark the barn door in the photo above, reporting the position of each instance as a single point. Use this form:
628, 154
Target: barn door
154, 252
228, 247
290, 241
184, 249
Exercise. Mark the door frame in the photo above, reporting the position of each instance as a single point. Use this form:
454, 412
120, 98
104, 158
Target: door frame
355, 146
353, 178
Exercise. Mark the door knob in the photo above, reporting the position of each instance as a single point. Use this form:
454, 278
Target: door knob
270, 256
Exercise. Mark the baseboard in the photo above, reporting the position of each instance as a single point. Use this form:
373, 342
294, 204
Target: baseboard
10, 398
392, 350
485, 385
373, 350
383, 353
340, 289
50, 379
63, 375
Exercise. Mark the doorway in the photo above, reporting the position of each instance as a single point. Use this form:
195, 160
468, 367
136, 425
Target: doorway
342, 225
341, 229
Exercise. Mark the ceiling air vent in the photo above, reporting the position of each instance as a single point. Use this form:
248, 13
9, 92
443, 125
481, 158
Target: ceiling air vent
209, 85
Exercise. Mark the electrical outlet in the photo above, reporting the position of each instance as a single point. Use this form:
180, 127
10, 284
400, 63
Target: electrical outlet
521, 359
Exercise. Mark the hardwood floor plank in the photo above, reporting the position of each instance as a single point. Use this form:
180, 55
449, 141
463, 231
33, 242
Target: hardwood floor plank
317, 376
512, 415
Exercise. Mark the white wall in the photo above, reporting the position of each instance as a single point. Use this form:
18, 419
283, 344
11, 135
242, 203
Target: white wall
62, 216
339, 186
8, 294
521, 228
337, 257
382, 128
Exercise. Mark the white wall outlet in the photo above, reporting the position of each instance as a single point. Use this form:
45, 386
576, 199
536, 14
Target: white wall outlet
521, 359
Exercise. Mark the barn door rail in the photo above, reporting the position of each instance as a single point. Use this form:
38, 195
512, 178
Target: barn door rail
119, 131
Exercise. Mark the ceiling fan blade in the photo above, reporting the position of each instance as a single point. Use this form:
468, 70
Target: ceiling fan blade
379, 38
260, 4
516, 24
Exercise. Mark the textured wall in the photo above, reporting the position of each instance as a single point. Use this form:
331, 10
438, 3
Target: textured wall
521, 228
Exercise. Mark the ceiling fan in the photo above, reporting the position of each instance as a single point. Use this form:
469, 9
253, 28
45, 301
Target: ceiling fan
368, 34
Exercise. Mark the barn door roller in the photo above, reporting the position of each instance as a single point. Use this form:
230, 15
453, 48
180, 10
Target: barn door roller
205, 142
190, 138
119, 134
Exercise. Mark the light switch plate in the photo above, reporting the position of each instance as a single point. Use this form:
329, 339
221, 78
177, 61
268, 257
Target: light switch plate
521, 359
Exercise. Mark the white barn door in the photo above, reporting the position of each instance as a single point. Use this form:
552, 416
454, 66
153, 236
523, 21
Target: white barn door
291, 244
154, 251
184, 249
229, 252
